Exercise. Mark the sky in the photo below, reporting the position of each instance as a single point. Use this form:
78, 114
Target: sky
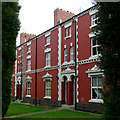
37, 16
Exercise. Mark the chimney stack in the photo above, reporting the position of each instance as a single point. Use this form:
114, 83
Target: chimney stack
61, 16
25, 37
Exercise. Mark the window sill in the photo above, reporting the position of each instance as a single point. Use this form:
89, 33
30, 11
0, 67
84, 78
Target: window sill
65, 63
71, 61
92, 26
47, 66
19, 56
96, 100
91, 35
19, 72
28, 95
28, 70
47, 44
47, 97
95, 56
28, 52
67, 37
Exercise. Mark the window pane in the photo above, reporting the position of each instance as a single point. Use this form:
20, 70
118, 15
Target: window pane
100, 81
47, 59
48, 83
94, 42
48, 40
94, 82
29, 48
99, 49
49, 92
94, 93
48, 88
65, 54
66, 32
100, 95
94, 51
70, 31
71, 53
71, 57
65, 51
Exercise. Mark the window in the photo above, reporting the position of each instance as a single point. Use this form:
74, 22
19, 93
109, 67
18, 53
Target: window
48, 40
68, 32
48, 59
21, 65
48, 88
97, 86
18, 68
29, 64
29, 48
95, 47
94, 19
28, 87
65, 55
71, 53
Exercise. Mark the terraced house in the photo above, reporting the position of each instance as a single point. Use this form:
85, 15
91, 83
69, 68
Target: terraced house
47, 64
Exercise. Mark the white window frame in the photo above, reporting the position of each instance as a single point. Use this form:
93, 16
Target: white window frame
47, 77
47, 35
47, 88
29, 49
28, 88
48, 58
71, 53
95, 72
18, 67
47, 40
28, 80
65, 55
95, 46
93, 20
28, 64
95, 87
67, 32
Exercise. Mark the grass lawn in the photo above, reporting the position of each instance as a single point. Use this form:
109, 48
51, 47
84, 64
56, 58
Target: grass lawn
20, 108
65, 114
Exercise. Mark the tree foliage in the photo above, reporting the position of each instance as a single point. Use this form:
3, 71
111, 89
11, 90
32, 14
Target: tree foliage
10, 28
108, 36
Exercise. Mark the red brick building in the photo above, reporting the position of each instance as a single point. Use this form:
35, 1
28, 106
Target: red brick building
48, 64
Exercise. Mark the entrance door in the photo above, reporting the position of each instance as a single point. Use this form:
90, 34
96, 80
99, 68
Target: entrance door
65, 83
18, 91
64, 90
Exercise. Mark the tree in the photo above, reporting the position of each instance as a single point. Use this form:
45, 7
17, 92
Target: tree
108, 35
10, 28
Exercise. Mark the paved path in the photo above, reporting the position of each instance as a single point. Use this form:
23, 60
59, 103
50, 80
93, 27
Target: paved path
34, 113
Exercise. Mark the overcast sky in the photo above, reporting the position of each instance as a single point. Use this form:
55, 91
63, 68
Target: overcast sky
37, 16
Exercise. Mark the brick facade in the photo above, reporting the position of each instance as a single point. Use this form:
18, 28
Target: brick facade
56, 66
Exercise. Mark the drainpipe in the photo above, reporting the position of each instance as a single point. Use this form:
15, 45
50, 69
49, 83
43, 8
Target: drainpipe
21, 69
75, 63
36, 74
